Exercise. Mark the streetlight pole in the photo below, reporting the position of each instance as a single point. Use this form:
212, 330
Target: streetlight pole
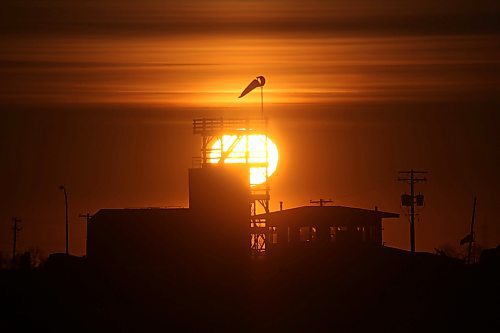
66, 206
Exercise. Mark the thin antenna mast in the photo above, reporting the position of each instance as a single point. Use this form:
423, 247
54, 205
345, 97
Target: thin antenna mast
469, 252
262, 101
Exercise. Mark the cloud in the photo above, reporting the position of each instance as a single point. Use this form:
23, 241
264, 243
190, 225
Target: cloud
167, 18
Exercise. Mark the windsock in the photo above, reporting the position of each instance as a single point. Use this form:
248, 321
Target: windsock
258, 82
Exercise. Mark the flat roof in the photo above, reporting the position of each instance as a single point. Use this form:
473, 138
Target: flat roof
336, 209
325, 214
123, 214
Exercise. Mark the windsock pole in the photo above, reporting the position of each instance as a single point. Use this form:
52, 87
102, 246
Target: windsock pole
262, 101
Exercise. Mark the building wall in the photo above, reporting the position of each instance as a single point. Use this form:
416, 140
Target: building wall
214, 229
219, 200
138, 237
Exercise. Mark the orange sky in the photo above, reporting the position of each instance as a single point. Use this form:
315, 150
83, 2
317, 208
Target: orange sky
99, 96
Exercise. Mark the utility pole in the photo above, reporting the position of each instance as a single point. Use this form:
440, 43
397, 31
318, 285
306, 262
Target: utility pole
15, 229
321, 201
469, 252
85, 216
87, 219
412, 177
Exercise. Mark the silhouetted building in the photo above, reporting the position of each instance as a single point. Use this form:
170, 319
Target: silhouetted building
136, 237
215, 227
327, 224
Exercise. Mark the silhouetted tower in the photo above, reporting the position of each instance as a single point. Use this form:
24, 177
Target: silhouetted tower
321, 201
213, 130
409, 200
15, 228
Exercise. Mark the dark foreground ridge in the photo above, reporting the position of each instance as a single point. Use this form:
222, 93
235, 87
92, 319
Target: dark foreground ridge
368, 289
219, 265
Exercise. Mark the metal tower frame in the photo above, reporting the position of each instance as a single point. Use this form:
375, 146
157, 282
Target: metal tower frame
212, 130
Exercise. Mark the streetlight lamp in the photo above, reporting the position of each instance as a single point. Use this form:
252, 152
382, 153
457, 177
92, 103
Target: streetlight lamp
62, 188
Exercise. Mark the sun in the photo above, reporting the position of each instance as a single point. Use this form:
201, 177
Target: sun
259, 147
